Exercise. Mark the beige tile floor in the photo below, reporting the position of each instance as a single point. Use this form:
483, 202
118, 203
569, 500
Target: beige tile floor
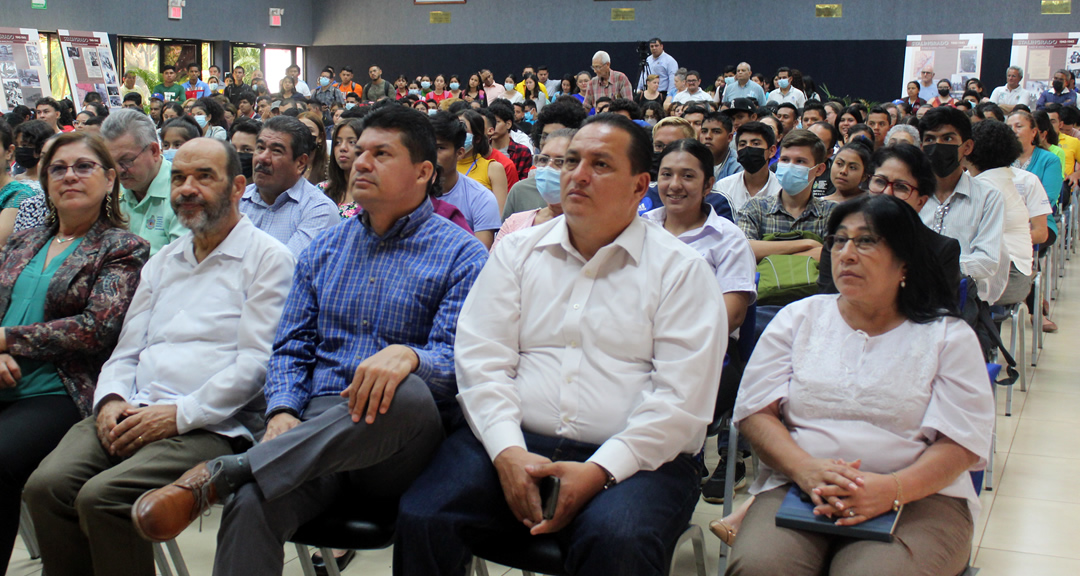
1028, 525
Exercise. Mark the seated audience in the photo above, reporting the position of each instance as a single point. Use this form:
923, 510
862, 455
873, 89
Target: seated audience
177, 388
64, 290
756, 143
549, 163
476, 163
902, 133
477, 204
12, 191
360, 382
802, 159
175, 133
644, 394
343, 148
849, 172
863, 443
281, 202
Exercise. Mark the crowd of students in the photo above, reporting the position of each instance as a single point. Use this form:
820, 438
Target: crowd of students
286, 301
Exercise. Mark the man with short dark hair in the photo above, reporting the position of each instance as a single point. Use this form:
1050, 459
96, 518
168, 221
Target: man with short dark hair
133, 100
244, 136
156, 107
629, 359
1059, 91
501, 141
741, 111
695, 114
327, 93
693, 92
233, 91
169, 90
280, 201
802, 159
361, 381
785, 92
265, 108
878, 121
476, 203
663, 65
293, 71
812, 113
716, 134
755, 144
48, 111
195, 87
128, 86
184, 382
788, 115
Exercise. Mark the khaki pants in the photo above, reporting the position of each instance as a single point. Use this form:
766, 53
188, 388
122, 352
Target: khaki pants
933, 538
80, 499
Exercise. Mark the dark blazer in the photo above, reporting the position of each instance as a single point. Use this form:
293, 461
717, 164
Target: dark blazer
946, 249
85, 304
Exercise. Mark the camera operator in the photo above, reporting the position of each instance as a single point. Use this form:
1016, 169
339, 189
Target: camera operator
657, 62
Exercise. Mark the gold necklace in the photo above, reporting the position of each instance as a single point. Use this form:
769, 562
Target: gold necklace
60, 240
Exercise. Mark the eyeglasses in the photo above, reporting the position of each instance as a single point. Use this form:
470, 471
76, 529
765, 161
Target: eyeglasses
127, 163
864, 244
901, 190
543, 161
82, 169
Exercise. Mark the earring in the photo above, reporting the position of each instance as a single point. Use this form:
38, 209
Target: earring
903, 284
110, 209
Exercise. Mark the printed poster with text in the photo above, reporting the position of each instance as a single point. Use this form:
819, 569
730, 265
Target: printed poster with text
952, 57
90, 66
23, 73
1040, 55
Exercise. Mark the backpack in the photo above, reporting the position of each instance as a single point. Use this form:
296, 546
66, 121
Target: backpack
785, 278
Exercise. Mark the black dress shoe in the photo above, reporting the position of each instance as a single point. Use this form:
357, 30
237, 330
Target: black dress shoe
320, 562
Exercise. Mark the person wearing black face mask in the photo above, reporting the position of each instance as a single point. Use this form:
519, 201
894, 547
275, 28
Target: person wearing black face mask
243, 136
1061, 94
944, 97
962, 208
30, 137
756, 143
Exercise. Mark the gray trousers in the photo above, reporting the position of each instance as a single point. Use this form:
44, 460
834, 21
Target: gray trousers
1017, 289
322, 461
80, 499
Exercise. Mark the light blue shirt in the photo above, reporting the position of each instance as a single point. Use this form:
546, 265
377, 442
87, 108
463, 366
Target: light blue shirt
296, 217
202, 87
730, 166
477, 204
665, 67
751, 90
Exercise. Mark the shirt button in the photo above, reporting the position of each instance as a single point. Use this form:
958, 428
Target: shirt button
569, 379
577, 306
364, 323
573, 344
590, 274
566, 419
371, 280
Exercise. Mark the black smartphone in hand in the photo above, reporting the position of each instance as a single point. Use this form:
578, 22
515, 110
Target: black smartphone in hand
549, 495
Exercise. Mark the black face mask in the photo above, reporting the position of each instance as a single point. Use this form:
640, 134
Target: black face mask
944, 158
752, 159
245, 164
655, 170
1058, 85
24, 155
943, 91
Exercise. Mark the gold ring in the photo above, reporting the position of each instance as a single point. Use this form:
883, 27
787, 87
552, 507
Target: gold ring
141, 441
851, 512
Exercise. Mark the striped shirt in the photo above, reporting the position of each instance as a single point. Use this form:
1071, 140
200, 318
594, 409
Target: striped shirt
975, 216
297, 216
355, 293
616, 86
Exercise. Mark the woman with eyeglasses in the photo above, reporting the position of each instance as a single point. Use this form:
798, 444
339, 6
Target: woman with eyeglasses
548, 165
64, 291
869, 401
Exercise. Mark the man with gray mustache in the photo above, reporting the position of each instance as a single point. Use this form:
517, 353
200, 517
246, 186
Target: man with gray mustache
281, 202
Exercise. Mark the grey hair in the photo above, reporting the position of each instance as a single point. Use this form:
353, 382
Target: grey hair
603, 57
906, 128
1017, 68
128, 121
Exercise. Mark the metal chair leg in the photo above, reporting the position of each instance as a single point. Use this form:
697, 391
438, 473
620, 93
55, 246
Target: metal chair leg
303, 555
477, 567
1047, 277
1036, 322
161, 560
988, 476
26, 530
177, 558
1020, 357
694, 534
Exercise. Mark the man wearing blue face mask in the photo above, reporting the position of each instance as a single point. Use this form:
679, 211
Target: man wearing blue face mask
802, 159
477, 204
327, 93
741, 87
144, 176
785, 92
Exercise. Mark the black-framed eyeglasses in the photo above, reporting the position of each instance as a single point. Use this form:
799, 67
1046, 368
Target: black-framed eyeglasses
543, 161
127, 163
82, 169
901, 190
864, 244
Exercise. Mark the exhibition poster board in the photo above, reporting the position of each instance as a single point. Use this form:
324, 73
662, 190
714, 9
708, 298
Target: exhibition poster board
953, 57
23, 72
1040, 55
90, 66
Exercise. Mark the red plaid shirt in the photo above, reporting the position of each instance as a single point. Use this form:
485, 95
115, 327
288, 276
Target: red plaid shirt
522, 158
617, 86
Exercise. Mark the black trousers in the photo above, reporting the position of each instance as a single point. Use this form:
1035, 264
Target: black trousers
29, 430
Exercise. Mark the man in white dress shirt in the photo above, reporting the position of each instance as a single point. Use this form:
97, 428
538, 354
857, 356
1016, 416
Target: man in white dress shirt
184, 382
589, 349
1013, 93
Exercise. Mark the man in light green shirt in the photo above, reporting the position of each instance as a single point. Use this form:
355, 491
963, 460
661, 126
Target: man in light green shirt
144, 175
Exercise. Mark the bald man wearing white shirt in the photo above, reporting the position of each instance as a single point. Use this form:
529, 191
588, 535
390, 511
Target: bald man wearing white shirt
589, 349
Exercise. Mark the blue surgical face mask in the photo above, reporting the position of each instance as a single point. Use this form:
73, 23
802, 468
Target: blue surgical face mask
793, 177
547, 184
350, 105
454, 85
468, 140
509, 86
414, 92
168, 154
425, 85
432, 111
324, 81
201, 120
730, 80
783, 82
213, 86
528, 116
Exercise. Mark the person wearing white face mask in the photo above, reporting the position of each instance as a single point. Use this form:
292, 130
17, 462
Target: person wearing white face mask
210, 117
802, 159
785, 92
175, 133
548, 166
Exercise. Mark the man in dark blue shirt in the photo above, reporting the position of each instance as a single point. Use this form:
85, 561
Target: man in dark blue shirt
361, 378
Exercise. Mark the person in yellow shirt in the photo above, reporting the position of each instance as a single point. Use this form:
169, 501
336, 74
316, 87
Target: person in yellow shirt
520, 87
1069, 144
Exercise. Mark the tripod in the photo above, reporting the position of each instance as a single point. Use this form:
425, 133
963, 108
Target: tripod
644, 71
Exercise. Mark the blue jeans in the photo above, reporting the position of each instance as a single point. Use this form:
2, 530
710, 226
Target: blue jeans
629, 529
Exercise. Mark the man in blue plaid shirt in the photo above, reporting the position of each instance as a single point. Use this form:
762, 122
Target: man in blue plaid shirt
361, 379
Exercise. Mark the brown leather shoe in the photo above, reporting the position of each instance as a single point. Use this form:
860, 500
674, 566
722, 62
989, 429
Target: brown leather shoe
162, 514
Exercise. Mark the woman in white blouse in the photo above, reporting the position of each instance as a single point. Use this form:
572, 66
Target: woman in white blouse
870, 400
